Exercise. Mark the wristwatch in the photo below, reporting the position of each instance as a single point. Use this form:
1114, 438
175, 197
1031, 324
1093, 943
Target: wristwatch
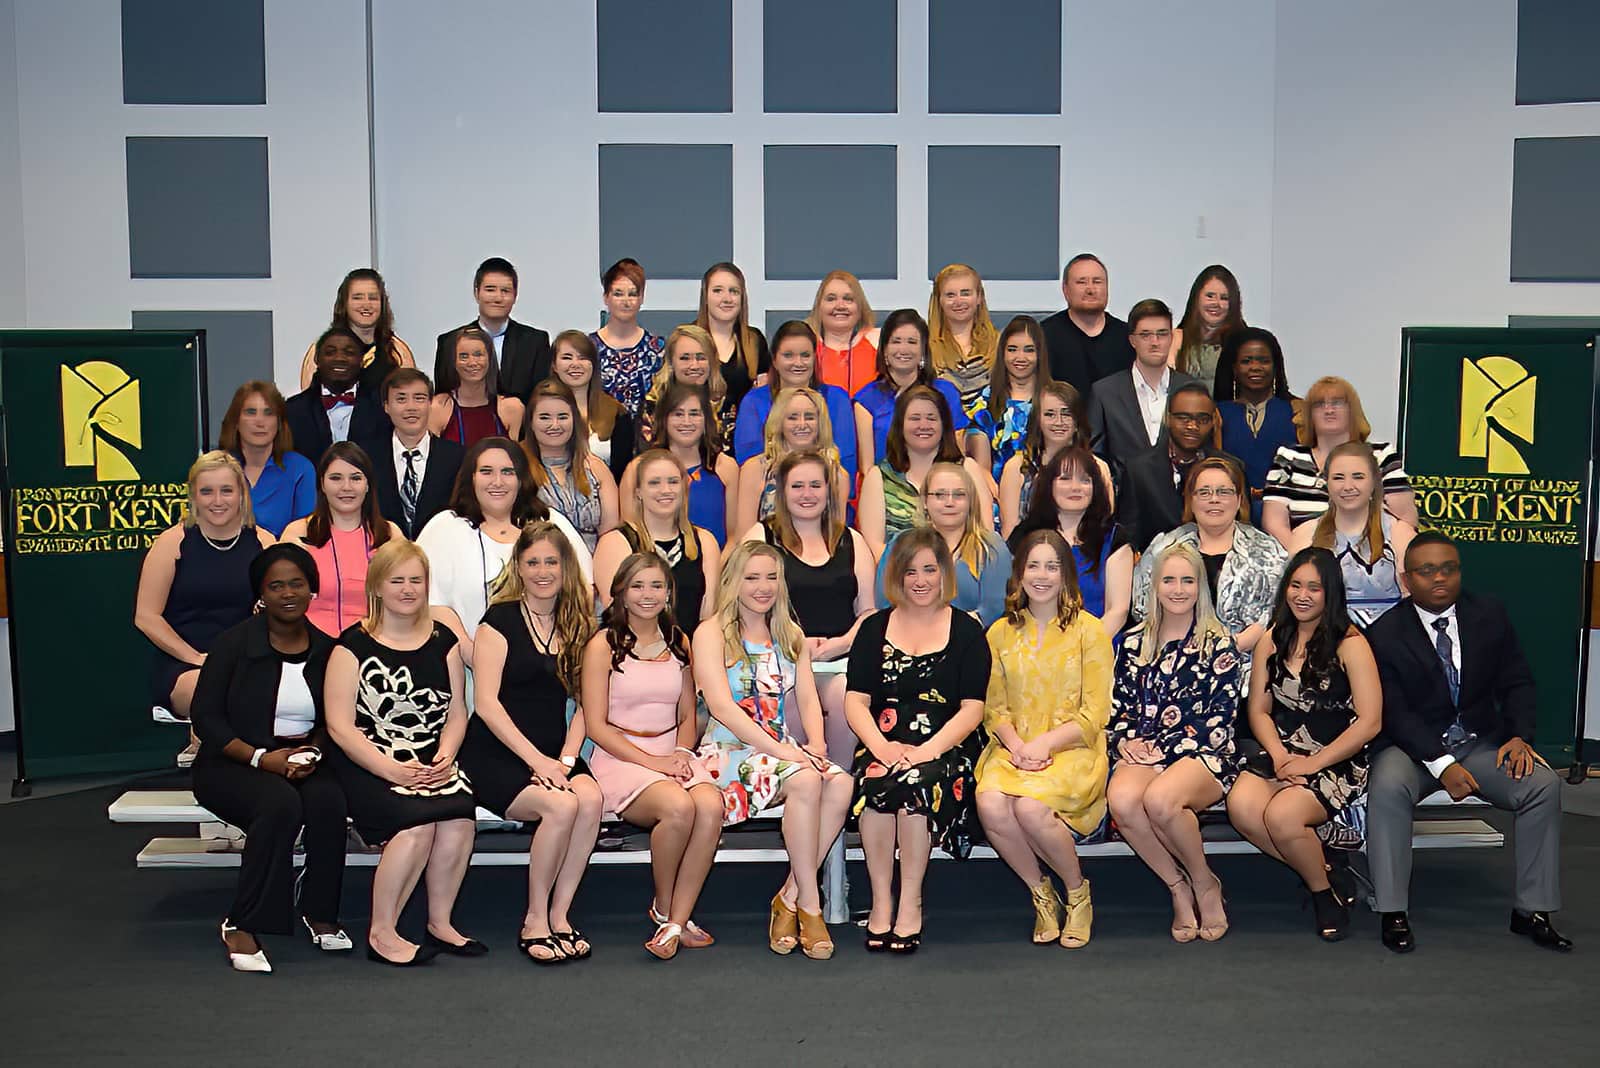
255, 758
569, 762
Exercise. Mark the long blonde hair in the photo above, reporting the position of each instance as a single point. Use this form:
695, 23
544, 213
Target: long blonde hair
644, 541
978, 542
773, 448
1208, 629
787, 637
1324, 535
217, 460
390, 555
943, 351
574, 614
863, 309
716, 386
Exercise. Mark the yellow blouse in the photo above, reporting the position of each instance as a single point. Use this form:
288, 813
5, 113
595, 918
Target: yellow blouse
1037, 687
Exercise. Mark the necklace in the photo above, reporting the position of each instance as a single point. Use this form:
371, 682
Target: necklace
543, 645
220, 547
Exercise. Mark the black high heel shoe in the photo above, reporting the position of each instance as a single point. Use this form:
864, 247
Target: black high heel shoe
1341, 878
876, 941
1333, 919
905, 944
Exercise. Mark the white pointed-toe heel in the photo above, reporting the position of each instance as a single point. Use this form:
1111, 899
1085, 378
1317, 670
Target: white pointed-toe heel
244, 962
338, 942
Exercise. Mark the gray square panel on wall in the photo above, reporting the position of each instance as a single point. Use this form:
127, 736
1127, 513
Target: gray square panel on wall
657, 56
1555, 209
198, 207
1556, 61
663, 321
668, 206
997, 208
238, 349
996, 59
830, 207
831, 56
193, 52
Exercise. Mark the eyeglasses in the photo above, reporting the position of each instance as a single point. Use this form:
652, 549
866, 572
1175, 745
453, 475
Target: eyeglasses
1215, 493
1332, 404
947, 496
1148, 336
1191, 418
1428, 571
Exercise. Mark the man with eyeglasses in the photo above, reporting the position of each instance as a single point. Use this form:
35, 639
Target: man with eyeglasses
1126, 407
1085, 342
1150, 500
1458, 712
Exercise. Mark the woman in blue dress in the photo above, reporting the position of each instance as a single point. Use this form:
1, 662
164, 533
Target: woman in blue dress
1255, 406
999, 418
902, 363
795, 366
1072, 497
684, 424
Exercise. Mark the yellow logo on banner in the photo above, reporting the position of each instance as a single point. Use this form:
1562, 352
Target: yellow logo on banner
1497, 406
100, 407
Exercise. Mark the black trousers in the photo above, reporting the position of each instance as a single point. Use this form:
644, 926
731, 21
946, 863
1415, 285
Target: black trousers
271, 810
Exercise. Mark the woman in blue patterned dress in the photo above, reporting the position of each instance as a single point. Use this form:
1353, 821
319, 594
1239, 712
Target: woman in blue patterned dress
998, 420
1174, 698
752, 665
629, 354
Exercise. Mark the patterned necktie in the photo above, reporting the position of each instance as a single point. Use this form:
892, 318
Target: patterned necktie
1445, 648
409, 487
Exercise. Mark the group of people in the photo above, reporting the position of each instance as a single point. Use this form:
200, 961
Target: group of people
938, 581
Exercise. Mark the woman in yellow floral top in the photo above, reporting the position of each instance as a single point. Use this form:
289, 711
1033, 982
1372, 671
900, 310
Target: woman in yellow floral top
1042, 778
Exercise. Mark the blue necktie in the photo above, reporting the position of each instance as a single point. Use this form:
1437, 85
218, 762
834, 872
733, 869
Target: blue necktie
1452, 677
410, 487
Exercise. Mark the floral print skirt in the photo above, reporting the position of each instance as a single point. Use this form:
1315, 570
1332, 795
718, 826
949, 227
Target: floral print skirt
941, 789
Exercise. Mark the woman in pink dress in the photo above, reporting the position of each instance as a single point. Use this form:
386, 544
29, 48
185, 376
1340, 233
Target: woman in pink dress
638, 704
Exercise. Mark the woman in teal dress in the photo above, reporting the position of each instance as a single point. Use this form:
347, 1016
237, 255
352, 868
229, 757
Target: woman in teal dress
752, 665
998, 420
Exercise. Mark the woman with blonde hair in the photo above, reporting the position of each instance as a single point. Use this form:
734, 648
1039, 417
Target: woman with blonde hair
195, 581
686, 426
1041, 779
961, 336
794, 365
1296, 491
847, 342
692, 359
799, 421
741, 349
397, 713
575, 363
520, 753
566, 476
752, 666
660, 523
1174, 697
953, 503
1367, 541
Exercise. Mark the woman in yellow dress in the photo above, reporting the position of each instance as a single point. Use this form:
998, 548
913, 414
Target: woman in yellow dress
1042, 778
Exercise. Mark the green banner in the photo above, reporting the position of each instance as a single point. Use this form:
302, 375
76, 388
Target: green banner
1497, 429
100, 430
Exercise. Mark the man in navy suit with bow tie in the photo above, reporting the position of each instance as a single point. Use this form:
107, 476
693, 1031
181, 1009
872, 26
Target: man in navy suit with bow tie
1458, 712
335, 407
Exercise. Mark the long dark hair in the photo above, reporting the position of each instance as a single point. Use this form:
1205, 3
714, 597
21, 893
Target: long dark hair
1042, 514
1322, 648
1000, 374
898, 318
383, 328
614, 621
450, 379
675, 396
1190, 325
319, 525
895, 452
1225, 388
526, 507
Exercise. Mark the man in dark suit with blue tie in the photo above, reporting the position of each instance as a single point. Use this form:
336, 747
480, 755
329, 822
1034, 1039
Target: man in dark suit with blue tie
1458, 712
414, 471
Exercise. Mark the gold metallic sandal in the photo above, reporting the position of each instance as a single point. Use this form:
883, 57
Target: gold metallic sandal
1046, 912
1080, 917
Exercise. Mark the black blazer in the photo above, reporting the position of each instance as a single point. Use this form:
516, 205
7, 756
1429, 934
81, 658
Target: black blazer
1081, 360
1147, 501
308, 420
1114, 419
524, 358
438, 479
1497, 698
237, 695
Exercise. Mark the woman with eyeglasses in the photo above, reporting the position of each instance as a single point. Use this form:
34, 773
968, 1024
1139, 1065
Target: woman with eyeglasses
920, 435
1058, 423
1296, 492
952, 504
1242, 564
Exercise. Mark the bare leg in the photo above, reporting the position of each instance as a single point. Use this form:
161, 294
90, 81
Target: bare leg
447, 866
916, 844
1291, 818
802, 799
1048, 837
585, 829
556, 811
700, 852
840, 738
665, 809
183, 693
996, 813
1171, 803
1125, 795
1247, 806
877, 843
399, 868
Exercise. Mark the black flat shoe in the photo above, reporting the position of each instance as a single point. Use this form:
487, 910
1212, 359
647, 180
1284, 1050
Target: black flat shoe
1333, 919
876, 941
905, 944
571, 939
423, 955
470, 948
558, 952
1537, 926
1397, 936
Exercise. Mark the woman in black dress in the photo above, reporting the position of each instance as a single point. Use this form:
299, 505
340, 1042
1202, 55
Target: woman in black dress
830, 571
395, 709
258, 712
918, 676
520, 752
1315, 703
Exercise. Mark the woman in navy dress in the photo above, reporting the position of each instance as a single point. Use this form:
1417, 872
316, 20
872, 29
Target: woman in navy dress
1255, 406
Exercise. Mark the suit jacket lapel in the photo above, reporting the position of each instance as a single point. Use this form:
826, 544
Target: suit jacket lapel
1422, 647
1467, 628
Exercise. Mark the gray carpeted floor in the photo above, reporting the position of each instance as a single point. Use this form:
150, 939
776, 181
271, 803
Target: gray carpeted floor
106, 963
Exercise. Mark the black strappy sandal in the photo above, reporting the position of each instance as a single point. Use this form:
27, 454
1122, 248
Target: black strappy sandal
570, 940
550, 942
877, 941
905, 943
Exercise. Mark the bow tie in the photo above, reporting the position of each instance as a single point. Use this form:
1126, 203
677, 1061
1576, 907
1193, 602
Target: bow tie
333, 400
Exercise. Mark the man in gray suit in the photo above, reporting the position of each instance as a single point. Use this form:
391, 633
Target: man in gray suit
1127, 408
1458, 712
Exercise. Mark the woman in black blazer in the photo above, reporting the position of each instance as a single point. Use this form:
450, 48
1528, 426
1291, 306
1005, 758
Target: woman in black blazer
258, 713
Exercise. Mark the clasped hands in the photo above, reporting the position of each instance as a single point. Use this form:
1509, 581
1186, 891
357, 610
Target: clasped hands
898, 756
416, 775
277, 762
1035, 755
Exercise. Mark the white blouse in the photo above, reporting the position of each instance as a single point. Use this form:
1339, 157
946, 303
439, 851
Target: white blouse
464, 562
